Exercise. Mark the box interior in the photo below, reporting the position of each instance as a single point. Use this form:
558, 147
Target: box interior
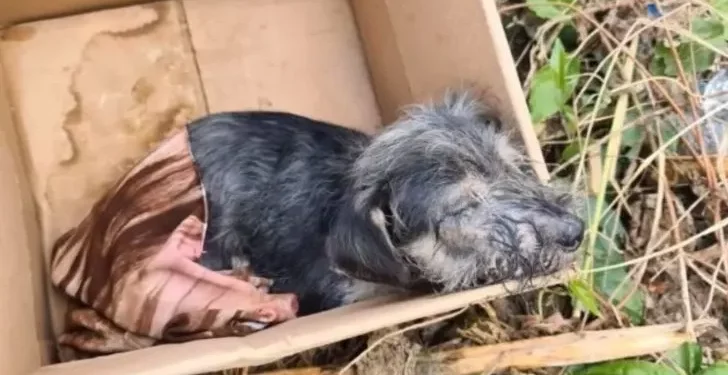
88, 87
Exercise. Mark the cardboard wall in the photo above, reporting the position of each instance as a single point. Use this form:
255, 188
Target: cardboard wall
296, 56
92, 93
24, 337
418, 48
14, 11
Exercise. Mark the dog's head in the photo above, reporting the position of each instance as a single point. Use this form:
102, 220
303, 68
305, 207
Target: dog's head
442, 196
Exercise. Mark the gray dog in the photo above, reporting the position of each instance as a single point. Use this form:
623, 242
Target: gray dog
439, 201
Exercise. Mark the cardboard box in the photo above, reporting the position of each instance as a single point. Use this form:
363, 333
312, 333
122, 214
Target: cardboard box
89, 86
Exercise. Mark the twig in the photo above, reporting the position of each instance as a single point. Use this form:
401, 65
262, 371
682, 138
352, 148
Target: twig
719, 225
684, 285
710, 280
595, 168
653, 229
399, 332
712, 182
596, 9
631, 35
684, 216
553, 351
708, 254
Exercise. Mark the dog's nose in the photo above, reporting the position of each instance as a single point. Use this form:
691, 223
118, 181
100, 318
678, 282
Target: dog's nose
572, 234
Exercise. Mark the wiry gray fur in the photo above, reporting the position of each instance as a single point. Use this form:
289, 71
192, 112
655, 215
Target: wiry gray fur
462, 203
439, 201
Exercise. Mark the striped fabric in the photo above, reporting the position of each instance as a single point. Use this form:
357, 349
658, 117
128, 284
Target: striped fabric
132, 264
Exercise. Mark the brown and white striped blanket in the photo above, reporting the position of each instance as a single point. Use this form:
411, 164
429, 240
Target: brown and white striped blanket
132, 264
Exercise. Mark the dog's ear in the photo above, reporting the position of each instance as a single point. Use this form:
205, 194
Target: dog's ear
359, 245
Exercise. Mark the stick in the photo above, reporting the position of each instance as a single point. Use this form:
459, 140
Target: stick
572, 348
398, 332
553, 351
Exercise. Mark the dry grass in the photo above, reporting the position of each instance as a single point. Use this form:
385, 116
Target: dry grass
670, 200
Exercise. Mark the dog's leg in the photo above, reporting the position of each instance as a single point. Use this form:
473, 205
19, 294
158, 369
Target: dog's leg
206, 300
242, 271
183, 249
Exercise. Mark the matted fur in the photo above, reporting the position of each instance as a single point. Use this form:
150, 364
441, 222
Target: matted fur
439, 201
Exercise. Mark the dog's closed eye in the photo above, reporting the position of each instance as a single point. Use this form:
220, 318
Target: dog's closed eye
467, 206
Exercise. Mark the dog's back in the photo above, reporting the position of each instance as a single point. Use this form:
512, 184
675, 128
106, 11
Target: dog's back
273, 182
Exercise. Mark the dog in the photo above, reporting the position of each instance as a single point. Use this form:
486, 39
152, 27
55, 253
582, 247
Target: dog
439, 201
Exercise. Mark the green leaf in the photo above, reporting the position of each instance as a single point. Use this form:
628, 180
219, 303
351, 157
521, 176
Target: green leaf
588, 104
569, 120
658, 65
608, 282
687, 357
718, 368
668, 130
567, 69
609, 224
553, 84
699, 59
632, 140
580, 291
706, 28
606, 253
574, 369
694, 57
559, 57
573, 149
633, 137
721, 6
626, 367
544, 100
548, 9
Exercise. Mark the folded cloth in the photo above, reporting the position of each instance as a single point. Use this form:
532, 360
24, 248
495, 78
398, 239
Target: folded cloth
133, 265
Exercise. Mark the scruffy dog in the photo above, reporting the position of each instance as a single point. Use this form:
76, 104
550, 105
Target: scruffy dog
438, 201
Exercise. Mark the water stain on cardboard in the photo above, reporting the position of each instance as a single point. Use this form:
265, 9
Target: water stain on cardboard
131, 88
75, 115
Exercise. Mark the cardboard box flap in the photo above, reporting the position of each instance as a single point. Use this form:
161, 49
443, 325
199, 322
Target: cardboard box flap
418, 48
288, 338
